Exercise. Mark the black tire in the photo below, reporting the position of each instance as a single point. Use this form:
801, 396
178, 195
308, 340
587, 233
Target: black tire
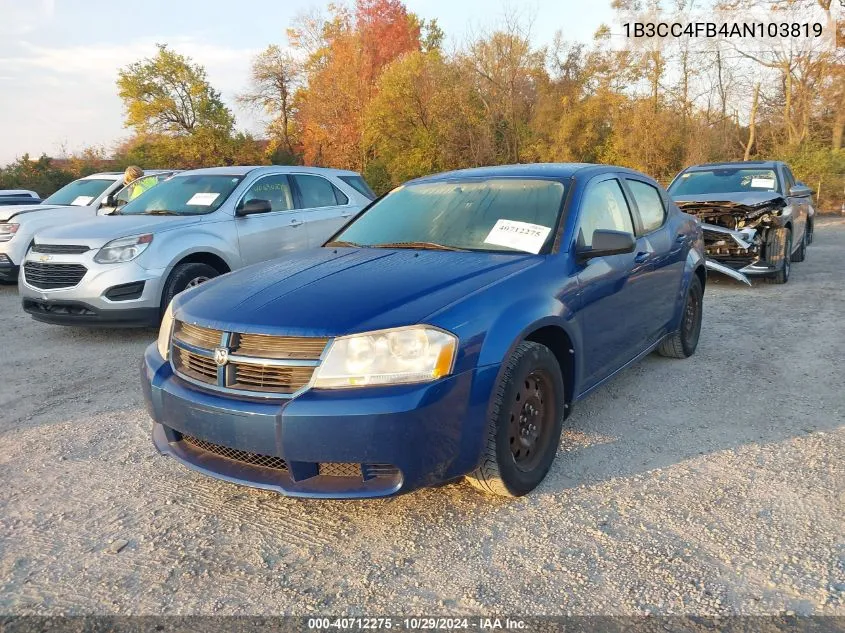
778, 249
683, 343
801, 254
526, 413
183, 276
809, 231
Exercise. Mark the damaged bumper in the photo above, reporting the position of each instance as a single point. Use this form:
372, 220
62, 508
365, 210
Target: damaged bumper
735, 253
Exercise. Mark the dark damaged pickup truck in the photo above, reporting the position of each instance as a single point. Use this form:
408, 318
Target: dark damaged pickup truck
757, 219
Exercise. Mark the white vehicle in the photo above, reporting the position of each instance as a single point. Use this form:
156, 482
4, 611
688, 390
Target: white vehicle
80, 200
18, 196
124, 270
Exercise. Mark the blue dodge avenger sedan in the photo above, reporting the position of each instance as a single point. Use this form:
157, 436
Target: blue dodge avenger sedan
445, 332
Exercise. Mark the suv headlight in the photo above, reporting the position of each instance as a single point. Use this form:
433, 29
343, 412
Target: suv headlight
164, 332
124, 249
8, 230
388, 357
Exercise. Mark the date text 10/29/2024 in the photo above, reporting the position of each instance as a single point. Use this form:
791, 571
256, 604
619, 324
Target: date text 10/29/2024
417, 624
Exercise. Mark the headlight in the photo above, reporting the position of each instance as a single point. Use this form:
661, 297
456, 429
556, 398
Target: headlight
124, 249
8, 230
163, 342
388, 357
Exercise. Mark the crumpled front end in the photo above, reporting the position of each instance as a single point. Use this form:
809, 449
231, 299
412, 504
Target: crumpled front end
742, 238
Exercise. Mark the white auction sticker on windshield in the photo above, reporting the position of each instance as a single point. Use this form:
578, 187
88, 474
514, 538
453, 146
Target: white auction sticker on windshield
203, 199
81, 201
521, 236
763, 183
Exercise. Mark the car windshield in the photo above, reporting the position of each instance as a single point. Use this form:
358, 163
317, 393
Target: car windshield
183, 195
724, 180
502, 215
80, 192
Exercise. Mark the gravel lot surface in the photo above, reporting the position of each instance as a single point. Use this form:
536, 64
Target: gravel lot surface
709, 486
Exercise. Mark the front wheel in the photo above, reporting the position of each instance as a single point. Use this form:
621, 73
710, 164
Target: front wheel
801, 254
779, 247
683, 343
184, 276
525, 423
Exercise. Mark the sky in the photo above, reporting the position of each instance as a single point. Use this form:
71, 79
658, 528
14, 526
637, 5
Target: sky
59, 58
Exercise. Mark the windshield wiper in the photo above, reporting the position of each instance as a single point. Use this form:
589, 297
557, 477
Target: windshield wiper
160, 212
422, 245
342, 243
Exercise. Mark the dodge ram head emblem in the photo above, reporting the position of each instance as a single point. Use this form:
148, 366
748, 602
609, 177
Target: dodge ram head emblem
221, 356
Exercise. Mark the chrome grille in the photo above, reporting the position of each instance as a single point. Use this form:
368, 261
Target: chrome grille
270, 378
60, 249
197, 367
199, 336
51, 276
256, 459
259, 364
267, 346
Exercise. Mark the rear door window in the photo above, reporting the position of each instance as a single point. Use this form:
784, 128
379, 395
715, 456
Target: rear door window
360, 185
316, 192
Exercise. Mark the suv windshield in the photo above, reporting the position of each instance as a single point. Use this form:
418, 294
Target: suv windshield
80, 192
183, 195
724, 180
502, 215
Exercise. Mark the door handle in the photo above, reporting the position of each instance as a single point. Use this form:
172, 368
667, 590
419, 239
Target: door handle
345, 215
295, 222
641, 257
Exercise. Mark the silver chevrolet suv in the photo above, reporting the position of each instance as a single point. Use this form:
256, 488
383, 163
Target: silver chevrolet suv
124, 269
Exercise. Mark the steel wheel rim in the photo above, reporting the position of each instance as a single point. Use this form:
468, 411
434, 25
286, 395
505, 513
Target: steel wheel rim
692, 320
531, 420
196, 281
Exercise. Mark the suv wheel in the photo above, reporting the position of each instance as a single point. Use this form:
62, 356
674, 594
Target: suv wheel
526, 420
184, 276
780, 243
801, 253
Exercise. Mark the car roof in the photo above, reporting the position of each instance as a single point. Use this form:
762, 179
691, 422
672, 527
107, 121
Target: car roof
557, 171
738, 163
267, 169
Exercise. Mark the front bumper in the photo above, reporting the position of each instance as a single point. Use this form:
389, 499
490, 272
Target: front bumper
88, 302
353, 443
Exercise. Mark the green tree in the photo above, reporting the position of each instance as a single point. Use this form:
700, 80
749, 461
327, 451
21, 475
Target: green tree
168, 94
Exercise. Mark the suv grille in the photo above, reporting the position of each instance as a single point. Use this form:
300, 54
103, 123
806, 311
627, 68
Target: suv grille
259, 364
60, 249
51, 276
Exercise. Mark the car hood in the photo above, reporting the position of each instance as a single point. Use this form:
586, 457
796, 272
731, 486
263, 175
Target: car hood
7, 212
740, 199
331, 292
97, 231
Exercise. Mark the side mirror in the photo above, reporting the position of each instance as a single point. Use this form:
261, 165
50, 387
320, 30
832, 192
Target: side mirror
109, 201
606, 242
254, 206
799, 189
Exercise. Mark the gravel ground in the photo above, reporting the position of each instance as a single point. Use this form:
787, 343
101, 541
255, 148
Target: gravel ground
710, 486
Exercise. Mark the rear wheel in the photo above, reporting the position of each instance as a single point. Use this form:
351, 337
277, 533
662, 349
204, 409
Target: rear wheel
683, 343
525, 423
779, 247
185, 276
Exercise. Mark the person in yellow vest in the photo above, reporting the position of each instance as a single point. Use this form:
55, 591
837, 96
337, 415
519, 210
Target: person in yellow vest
135, 175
